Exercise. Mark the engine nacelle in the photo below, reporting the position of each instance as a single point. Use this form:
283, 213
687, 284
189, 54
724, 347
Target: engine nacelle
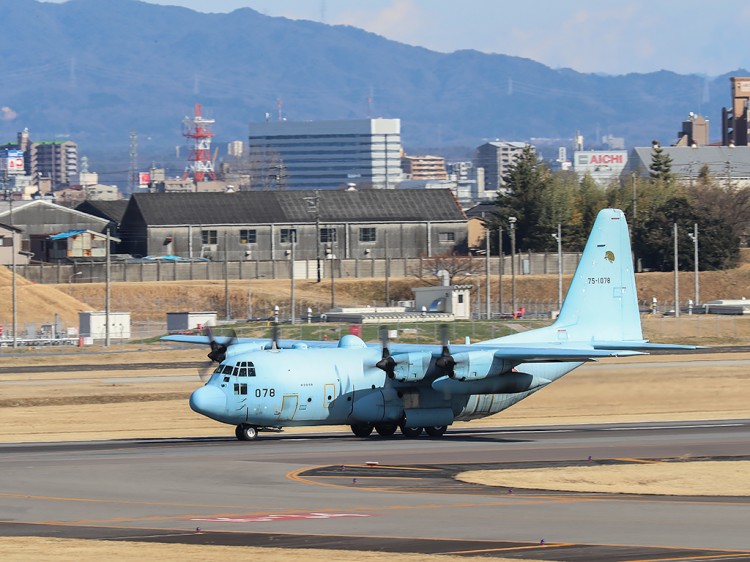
509, 383
411, 367
475, 365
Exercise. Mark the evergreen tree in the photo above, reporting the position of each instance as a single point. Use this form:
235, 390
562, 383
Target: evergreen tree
660, 169
523, 197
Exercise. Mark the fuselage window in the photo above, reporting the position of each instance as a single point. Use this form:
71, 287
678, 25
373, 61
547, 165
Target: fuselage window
240, 389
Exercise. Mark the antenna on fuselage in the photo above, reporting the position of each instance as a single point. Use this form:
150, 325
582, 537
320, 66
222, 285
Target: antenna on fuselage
275, 337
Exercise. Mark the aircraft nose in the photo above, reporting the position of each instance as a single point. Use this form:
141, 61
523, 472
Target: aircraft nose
209, 401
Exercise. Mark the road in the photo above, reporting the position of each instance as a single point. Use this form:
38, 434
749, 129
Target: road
318, 491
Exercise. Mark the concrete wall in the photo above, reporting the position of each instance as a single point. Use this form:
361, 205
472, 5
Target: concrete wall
94, 272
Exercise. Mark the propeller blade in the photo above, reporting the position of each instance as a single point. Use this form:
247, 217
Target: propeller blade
445, 361
204, 373
387, 363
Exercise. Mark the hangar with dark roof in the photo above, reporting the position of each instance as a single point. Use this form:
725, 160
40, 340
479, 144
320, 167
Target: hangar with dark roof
261, 225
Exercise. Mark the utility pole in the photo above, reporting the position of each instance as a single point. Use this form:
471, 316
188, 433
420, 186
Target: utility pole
512, 221
676, 278
694, 237
632, 230
9, 197
313, 203
227, 310
501, 264
291, 272
488, 304
387, 273
558, 237
333, 272
107, 294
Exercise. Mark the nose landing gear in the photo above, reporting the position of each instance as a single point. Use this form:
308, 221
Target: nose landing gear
246, 432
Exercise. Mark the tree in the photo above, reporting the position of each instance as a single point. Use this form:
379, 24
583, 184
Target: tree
719, 248
459, 268
524, 198
660, 169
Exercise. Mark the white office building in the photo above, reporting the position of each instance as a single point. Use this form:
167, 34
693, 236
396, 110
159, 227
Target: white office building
325, 154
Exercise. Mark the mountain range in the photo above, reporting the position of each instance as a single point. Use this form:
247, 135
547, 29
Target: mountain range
93, 70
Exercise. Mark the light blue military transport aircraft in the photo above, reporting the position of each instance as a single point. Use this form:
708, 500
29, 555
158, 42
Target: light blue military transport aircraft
265, 384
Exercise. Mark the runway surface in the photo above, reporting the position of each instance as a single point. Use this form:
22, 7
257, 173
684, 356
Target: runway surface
325, 491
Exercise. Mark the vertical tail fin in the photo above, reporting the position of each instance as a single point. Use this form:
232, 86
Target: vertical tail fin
601, 303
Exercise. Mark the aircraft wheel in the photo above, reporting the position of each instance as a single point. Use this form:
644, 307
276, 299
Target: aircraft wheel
246, 432
386, 429
362, 429
411, 431
436, 430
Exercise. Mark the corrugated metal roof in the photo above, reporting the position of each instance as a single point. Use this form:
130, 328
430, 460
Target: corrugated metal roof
112, 210
687, 161
293, 207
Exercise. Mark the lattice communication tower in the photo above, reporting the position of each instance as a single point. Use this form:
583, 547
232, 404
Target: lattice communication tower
197, 130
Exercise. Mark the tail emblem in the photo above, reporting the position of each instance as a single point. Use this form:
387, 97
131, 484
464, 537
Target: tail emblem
609, 256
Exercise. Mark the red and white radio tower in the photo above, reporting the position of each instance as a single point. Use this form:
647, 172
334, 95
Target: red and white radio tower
198, 130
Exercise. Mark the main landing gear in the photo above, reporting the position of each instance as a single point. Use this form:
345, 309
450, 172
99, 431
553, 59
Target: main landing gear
388, 429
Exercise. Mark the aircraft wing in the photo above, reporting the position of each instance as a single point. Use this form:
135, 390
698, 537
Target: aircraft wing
641, 345
205, 340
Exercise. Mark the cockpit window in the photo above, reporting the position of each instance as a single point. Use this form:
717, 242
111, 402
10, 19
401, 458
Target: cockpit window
227, 369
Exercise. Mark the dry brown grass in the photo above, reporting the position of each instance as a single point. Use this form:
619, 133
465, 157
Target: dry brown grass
706, 478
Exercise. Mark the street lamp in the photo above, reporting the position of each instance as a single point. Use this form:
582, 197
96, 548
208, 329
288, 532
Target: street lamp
694, 237
558, 237
70, 278
512, 221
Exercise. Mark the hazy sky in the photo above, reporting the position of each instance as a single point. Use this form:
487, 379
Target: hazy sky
685, 36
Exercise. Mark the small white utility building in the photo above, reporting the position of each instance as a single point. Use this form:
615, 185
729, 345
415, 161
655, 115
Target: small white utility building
92, 324
449, 299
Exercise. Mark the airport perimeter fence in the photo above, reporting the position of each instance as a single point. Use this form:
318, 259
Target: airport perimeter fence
714, 327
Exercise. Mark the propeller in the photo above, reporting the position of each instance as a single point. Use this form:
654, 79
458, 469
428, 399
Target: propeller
446, 361
219, 350
387, 363
217, 354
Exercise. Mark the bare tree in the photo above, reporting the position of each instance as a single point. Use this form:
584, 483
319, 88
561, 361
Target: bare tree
459, 268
